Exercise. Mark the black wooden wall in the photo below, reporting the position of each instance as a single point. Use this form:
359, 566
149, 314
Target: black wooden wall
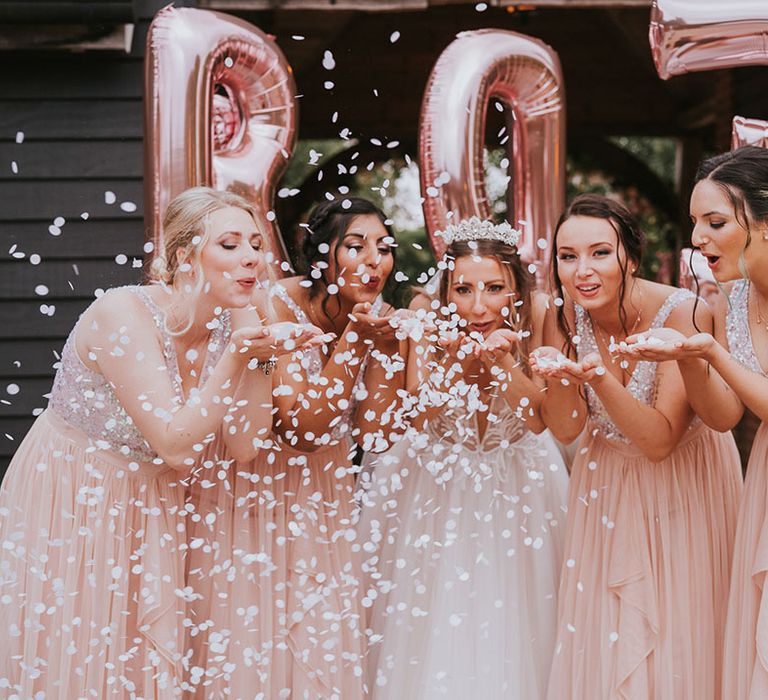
72, 125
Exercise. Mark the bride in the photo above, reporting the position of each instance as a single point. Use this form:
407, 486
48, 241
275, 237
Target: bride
462, 520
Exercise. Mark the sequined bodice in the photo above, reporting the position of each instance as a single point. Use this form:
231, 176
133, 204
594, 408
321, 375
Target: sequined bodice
340, 426
87, 401
642, 383
737, 328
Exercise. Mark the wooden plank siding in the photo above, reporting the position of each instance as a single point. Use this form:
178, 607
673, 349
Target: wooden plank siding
81, 119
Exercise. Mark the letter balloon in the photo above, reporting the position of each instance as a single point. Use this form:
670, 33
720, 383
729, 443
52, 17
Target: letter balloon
694, 35
749, 132
220, 111
524, 75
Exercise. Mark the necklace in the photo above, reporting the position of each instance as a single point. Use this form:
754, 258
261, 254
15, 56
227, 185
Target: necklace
761, 321
624, 364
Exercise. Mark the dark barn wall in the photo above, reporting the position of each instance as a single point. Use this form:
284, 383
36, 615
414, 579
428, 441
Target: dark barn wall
81, 119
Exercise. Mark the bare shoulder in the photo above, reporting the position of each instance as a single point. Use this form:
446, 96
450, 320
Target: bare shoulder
118, 307
541, 302
421, 300
691, 315
272, 307
252, 316
117, 318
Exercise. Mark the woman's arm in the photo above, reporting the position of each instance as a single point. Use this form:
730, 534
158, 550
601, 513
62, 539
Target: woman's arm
563, 408
656, 429
122, 339
710, 396
325, 399
521, 392
249, 420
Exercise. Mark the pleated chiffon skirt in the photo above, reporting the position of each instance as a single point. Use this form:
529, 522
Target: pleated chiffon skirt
644, 588
745, 668
91, 575
275, 610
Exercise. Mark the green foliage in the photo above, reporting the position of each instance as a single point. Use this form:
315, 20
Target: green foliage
393, 185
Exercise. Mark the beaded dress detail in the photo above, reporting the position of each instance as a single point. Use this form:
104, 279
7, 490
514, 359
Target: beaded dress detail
86, 400
737, 328
642, 383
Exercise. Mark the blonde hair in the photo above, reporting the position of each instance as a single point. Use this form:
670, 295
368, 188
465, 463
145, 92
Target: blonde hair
185, 226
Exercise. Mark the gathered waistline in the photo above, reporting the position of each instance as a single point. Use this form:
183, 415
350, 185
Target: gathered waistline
75, 435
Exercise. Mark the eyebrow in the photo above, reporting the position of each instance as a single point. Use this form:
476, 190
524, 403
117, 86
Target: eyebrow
714, 211
594, 245
355, 234
240, 233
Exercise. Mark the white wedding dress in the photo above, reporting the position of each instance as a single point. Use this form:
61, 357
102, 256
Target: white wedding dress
462, 538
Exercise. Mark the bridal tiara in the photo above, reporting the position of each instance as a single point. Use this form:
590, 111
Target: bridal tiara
475, 229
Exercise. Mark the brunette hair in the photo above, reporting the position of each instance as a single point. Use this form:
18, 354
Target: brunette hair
742, 175
518, 277
327, 224
629, 234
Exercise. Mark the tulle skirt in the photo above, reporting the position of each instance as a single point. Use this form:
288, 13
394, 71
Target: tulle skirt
645, 581
745, 669
91, 575
461, 570
275, 611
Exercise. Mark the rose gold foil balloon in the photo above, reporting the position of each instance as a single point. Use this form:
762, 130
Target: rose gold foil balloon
220, 111
749, 132
697, 35
523, 74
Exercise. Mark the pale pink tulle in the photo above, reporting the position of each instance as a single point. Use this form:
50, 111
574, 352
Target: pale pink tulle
745, 667
90, 571
277, 579
645, 582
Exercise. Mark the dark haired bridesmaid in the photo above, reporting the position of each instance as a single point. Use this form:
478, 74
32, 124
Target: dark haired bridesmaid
653, 493
279, 614
729, 210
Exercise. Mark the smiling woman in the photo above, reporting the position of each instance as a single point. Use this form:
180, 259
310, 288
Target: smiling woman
724, 371
654, 492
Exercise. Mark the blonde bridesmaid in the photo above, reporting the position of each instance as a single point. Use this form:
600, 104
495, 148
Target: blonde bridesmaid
725, 371
653, 493
91, 509
273, 565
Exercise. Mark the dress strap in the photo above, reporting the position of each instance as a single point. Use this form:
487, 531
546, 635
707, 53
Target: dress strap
157, 313
277, 290
585, 334
670, 304
737, 327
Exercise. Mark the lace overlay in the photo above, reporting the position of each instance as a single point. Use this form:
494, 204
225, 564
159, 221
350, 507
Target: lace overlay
737, 328
86, 400
342, 424
642, 383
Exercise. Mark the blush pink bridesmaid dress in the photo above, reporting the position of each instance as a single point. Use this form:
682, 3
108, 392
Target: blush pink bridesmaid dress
91, 532
271, 563
644, 585
745, 664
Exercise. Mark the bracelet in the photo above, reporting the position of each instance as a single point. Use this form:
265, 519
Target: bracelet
266, 366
